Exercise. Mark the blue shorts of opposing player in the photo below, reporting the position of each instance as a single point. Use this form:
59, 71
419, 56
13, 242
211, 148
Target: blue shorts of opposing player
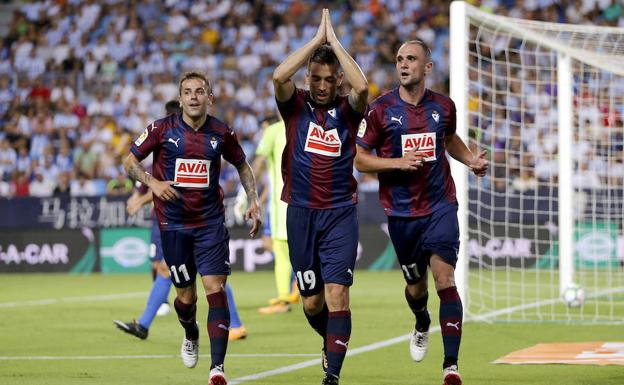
203, 250
266, 229
323, 246
156, 251
416, 239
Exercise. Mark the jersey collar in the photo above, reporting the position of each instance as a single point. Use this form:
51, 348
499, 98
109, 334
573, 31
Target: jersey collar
426, 96
203, 127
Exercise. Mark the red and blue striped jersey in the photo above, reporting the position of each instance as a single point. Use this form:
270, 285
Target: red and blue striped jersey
317, 162
393, 127
193, 160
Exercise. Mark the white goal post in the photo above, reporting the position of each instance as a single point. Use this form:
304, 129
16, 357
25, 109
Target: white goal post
546, 101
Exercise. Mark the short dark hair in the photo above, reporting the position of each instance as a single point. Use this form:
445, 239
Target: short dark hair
324, 55
422, 44
195, 75
172, 107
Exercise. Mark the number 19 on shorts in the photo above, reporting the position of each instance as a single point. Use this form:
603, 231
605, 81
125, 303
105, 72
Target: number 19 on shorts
306, 280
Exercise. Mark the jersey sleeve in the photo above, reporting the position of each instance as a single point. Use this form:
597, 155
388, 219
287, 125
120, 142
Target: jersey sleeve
288, 108
232, 150
350, 112
147, 142
267, 142
451, 127
370, 127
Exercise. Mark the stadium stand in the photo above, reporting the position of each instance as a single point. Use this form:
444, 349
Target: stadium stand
80, 79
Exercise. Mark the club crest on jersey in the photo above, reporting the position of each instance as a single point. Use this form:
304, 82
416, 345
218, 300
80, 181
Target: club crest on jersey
141, 138
192, 173
435, 115
424, 144
214, 143
323, 142
332, 113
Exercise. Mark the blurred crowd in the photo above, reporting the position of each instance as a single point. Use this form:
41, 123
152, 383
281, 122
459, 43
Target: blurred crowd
80, 79
514, 113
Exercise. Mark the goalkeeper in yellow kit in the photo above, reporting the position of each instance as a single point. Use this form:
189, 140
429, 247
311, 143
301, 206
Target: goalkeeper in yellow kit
269, 157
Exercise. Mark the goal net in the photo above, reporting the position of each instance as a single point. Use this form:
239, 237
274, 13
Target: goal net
546, 101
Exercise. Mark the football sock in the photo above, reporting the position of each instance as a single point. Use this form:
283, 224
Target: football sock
451, 314
186, 316
419, 308
218, 327
235, 321
158, 295
319, 321
338, 335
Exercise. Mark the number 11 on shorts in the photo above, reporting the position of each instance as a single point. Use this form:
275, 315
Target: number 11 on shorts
181, 269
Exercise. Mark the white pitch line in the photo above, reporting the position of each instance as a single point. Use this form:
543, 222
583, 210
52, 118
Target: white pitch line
89, 298
153, 356
317, 361
36, 302
395, 340
269, 373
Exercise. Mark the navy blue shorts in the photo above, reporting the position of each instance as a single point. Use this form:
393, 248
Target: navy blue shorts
156, 251
204, 250
416, 239
323, 246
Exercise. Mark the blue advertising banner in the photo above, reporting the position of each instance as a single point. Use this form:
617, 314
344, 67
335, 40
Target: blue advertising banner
69, 213
110, 212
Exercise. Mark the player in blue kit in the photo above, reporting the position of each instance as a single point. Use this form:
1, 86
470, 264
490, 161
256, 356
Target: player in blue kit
411, 128
319, 187
159, 292
188, 200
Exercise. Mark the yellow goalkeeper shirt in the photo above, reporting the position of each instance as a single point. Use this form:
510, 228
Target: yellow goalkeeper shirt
272, 146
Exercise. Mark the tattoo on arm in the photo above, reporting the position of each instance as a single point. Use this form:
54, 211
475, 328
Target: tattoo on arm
248, 180
136, 172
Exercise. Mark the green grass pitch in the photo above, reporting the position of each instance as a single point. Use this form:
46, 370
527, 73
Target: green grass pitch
68, 319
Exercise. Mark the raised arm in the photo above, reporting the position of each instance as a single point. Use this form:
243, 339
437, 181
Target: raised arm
259, 164
248, 181
359, 85
282, 82
456, 147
